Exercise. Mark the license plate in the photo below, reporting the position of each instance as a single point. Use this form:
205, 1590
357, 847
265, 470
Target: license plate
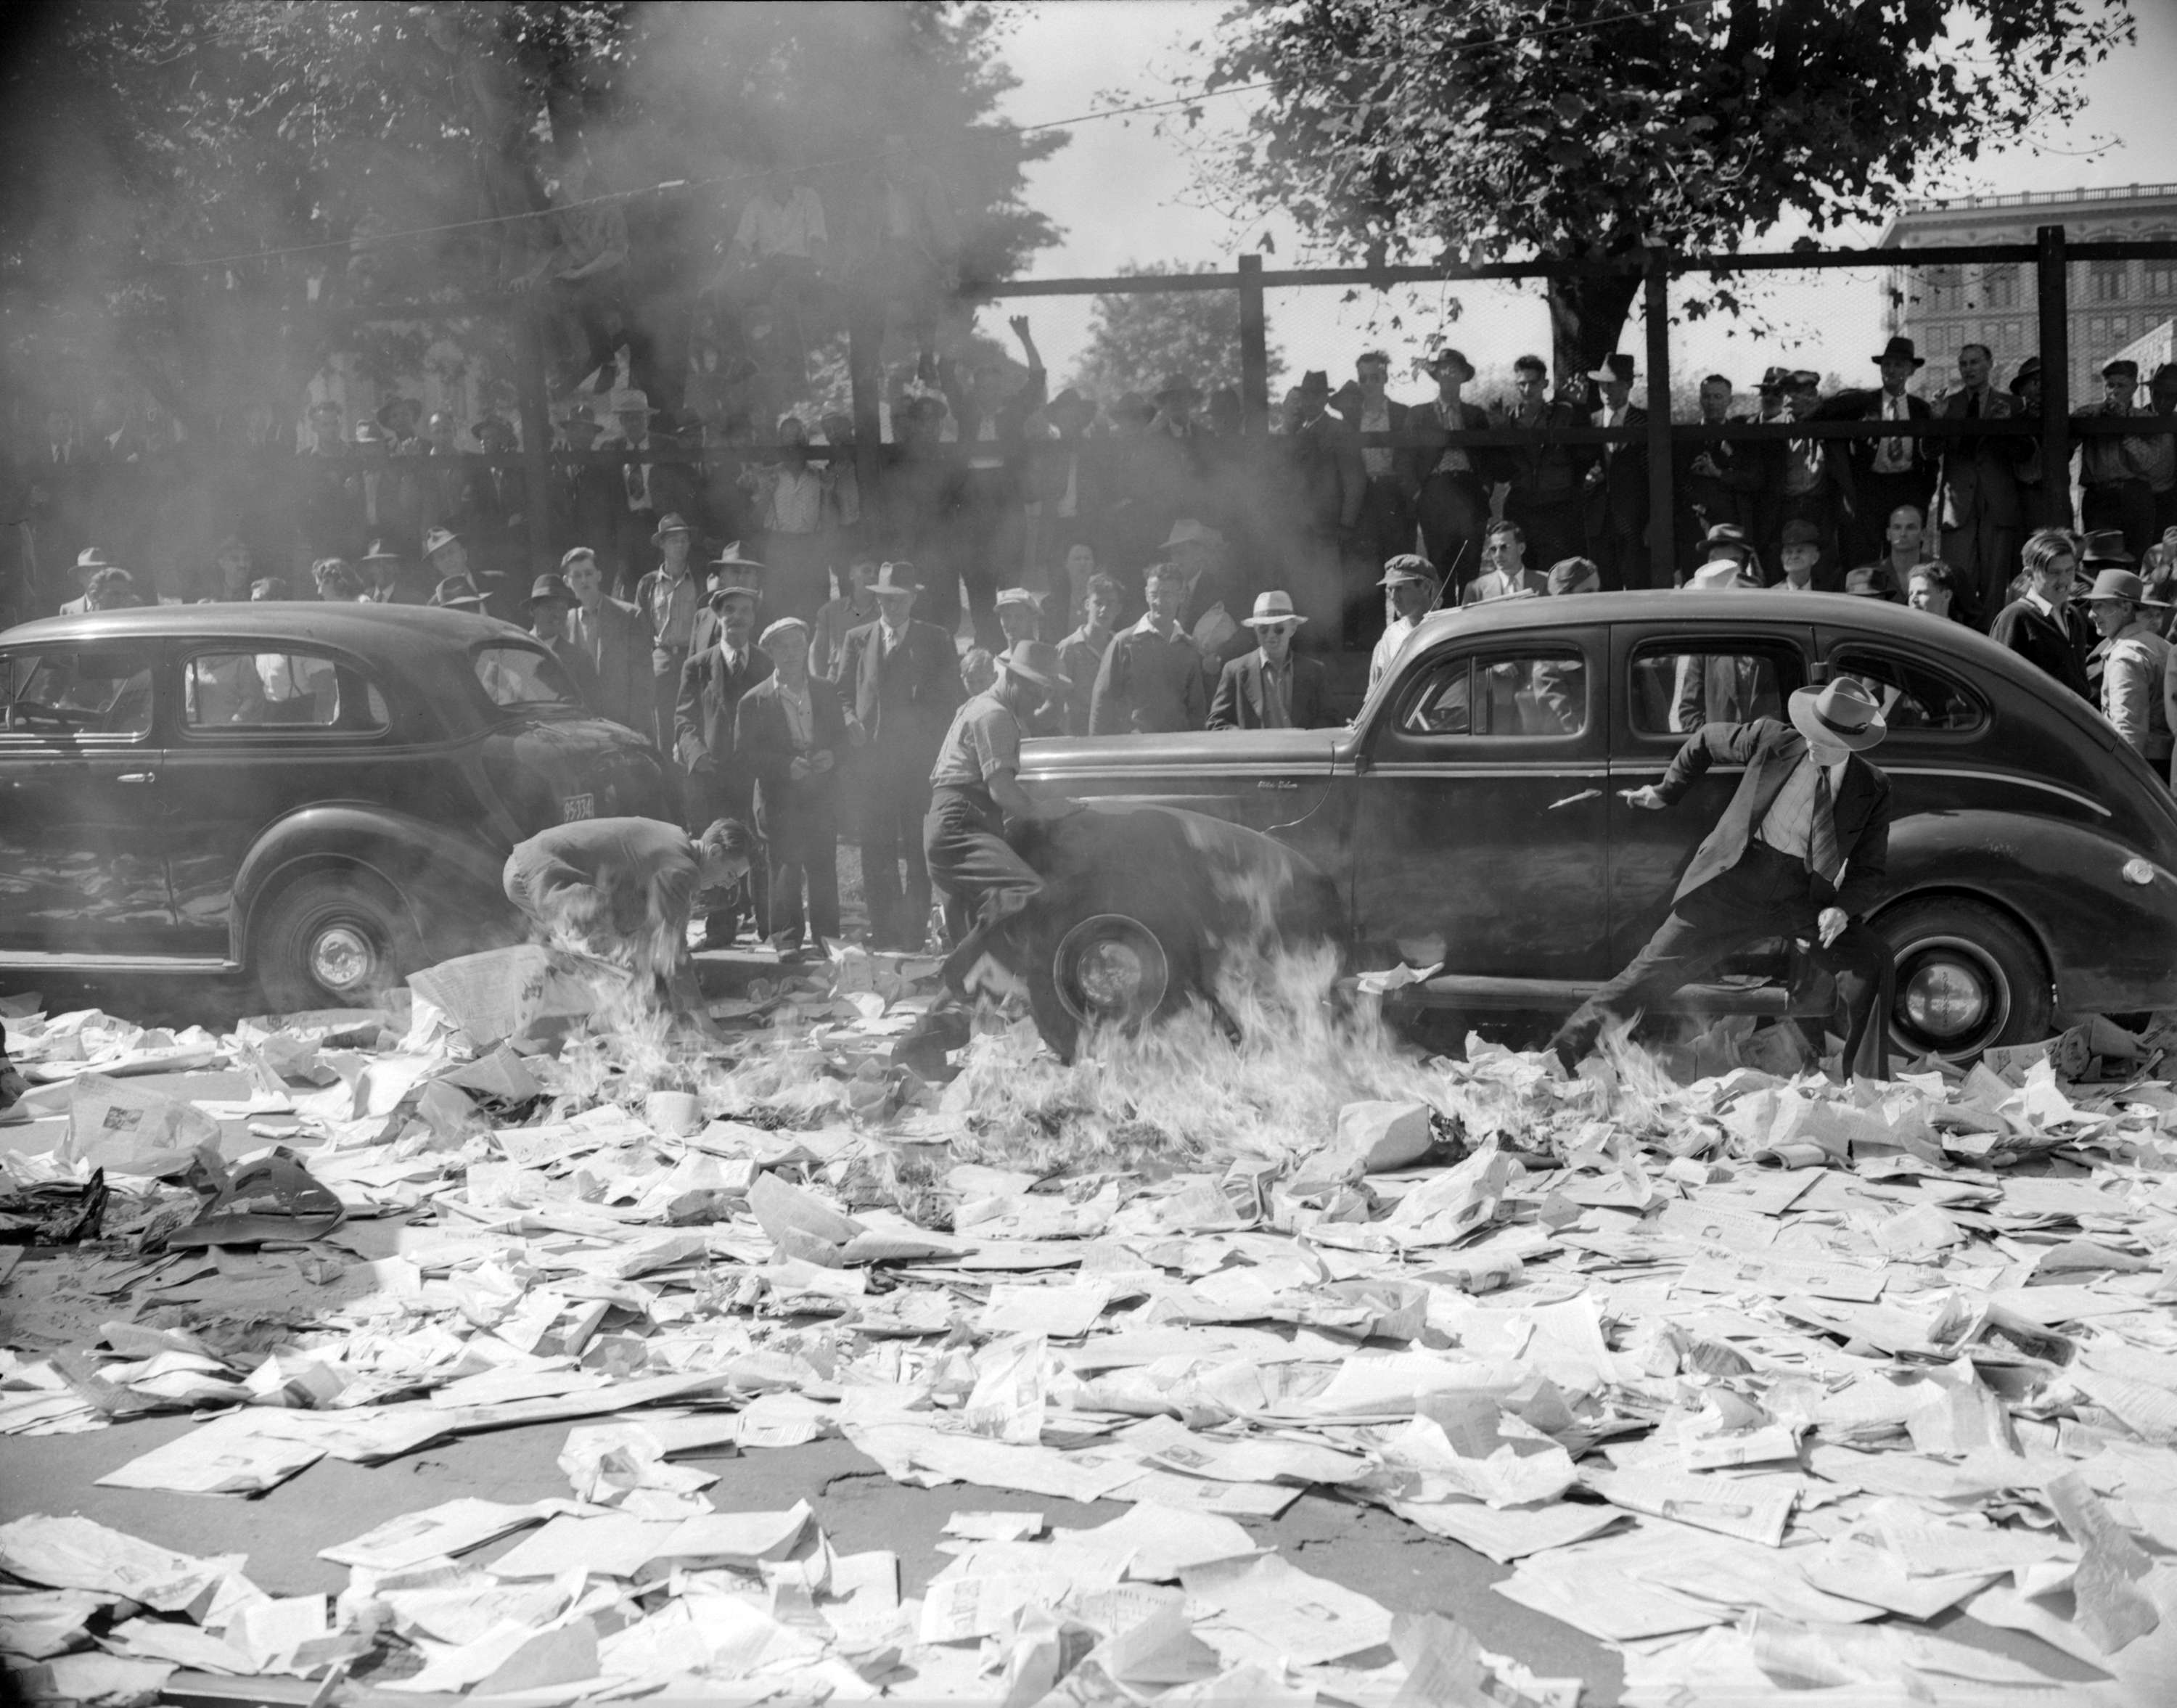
575, 806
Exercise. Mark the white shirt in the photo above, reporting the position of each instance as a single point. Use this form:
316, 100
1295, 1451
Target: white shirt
1386, 649
1893, 455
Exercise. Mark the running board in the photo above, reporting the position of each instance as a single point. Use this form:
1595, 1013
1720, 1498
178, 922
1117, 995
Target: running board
57, 961
1563, 995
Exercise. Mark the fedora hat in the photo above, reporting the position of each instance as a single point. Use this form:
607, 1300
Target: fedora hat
1774, 379
1838, 714
437, 540
1408, 566
1187, 531
1132, 406
90, 560
1900, 349
1445, 358
379, 555
457, 592
1719, 572
672, 522
1574, 575
1617, 366
729, 558
1316, 382
1036, 662
1070, 401
2103, 549
897, 577
1726, 536
552, 589
629, 400
2030, 369
2120, 584
1272, 608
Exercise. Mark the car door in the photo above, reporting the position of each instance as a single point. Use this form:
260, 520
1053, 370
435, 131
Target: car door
83, 866
1480, 821
1675, 678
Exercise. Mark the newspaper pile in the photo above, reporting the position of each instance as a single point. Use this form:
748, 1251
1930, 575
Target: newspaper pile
1759, 1379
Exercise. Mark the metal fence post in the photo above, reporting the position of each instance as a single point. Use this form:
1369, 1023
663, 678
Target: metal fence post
1254, 350
2055, 310
532, 399
1662, 508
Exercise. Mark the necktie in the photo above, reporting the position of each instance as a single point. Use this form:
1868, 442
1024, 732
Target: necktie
1821, 830
1894, 450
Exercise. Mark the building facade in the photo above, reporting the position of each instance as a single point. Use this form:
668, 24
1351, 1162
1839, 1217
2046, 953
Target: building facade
2113, 303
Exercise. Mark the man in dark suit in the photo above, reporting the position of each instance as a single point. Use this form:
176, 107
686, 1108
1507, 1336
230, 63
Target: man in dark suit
904, 677
719, 784
1316, 462
790, 734
1545, 475
1452, 506
2042, 625
551, 602
1801, 851
1814, 484
612, 636
1978, 508
1379, 508
1886, 472
1615, 496
1273, 687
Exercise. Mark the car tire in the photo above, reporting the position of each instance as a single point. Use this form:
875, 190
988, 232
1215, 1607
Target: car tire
1103, 964
332, 939
1968, 977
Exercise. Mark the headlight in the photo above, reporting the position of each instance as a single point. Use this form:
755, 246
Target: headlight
2138, 871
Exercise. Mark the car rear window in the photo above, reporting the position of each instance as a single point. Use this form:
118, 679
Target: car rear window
79, 691
1914, 694
288, 689
519, 676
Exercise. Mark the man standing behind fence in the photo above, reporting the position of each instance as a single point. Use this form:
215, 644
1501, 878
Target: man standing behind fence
1545, 474
1979, 492
1886, 472
2114, 490
1379, 508
1453, 505
1617, 485
993, 442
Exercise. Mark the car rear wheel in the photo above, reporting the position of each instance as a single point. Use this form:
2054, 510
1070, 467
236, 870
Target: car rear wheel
333, 939
1108, 968
1967, 977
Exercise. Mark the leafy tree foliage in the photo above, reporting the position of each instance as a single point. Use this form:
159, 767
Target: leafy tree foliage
1584, 129
211, 195
1136, 341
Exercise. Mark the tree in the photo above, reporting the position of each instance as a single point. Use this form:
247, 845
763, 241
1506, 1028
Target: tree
329, 159
1582, 130
1138, 340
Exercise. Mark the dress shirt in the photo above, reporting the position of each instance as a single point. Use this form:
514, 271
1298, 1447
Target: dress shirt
800, 717
1894, 455
1453, 460
673, 613
1788, 828
797, 501
1377, 458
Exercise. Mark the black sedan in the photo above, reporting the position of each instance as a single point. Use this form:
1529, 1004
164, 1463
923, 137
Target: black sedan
321, 794
1470, 817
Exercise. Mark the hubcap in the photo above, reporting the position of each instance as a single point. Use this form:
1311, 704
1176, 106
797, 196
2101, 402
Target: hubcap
1111, 968
1952, 997
342, 958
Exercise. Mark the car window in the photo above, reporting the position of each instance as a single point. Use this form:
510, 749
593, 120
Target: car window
1536, 691
80, 691
518, 676
287, 689
1913, 696
1678, 685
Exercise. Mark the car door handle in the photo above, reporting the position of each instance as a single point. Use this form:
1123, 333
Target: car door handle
1573, 799
138, 777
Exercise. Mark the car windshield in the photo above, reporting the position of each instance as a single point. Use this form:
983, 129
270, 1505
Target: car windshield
519, 676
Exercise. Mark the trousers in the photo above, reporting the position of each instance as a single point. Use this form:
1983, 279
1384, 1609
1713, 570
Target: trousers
1766, 894
984, 881
894, 806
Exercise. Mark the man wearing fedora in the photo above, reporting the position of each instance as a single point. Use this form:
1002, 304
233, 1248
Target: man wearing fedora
614, 642
447, 559
1615, 488
2038, 507
2130, 666
381, 572
1273, 687
1886, 472
790, 735
719, 782
1977, 503
1314, 460
1379, 506
1150, 682
902, 676
1813, 484
669, 597
446, 476
1801, 851
2114, 493
89, 562
730, 567
2041, 625
974, 787
1452, 506
1410, 588
551, 603
648, 490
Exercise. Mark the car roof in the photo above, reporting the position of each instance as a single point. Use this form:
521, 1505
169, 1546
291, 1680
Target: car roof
357, 628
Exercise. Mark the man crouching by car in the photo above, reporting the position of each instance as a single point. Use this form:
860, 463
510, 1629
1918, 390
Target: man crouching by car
622, 889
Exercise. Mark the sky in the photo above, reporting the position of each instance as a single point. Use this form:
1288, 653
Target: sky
1124, 194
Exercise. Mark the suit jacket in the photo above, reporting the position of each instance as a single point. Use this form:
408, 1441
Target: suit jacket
1866, 405
1620, 503
1409, 462
1769, 750
787, 810
1546, 471
2052, 644
1707, 501
1979, 475
703, 722
620, 669
1241, 695
905, 700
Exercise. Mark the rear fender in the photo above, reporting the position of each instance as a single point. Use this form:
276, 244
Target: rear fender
449, 882
2111, 945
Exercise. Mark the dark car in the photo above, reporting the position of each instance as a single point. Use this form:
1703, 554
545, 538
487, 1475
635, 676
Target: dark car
322, 794
1470, 816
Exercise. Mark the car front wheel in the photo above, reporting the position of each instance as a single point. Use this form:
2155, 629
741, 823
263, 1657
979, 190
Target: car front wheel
334, 939
1108, 968
1967, 977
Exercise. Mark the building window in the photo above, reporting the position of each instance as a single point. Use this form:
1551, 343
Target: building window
2161, 278
1941, 285
1999, 287
2108, 281
2098, 328
2120, 328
